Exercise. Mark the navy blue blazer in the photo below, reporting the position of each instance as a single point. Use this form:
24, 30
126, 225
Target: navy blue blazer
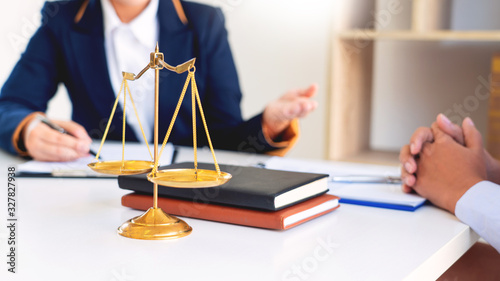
62, 51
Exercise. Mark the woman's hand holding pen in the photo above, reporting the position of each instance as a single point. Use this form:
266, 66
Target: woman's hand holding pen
46, 144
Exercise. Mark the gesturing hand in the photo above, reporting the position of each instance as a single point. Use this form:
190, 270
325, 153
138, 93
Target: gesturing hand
293, 104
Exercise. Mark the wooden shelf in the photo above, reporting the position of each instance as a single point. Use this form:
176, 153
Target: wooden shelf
352, 66
367, 34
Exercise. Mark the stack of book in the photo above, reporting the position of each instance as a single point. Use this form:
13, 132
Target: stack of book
253, 197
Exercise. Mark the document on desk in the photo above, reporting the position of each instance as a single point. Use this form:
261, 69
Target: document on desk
79, 169
383, 195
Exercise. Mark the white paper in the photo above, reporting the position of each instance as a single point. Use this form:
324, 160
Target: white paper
331, 168
375, 192
47, 167
110, 151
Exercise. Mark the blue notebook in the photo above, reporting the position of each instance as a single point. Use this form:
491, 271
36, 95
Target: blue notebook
382, 205
388, 196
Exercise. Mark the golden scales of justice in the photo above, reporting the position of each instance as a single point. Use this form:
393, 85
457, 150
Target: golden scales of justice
155, 224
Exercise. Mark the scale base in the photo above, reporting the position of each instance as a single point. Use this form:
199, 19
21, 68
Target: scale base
154, 224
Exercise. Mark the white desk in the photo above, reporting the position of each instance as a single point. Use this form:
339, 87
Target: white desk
67, 231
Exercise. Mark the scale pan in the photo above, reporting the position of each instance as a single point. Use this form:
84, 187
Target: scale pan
128, 167
185, 178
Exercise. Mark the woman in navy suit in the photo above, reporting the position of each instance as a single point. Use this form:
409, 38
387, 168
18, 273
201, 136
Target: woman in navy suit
86, 43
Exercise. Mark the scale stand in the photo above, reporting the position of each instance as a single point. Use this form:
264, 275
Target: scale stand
155, 224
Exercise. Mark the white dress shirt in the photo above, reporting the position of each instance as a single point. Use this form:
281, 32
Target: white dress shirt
128, 46
479, 208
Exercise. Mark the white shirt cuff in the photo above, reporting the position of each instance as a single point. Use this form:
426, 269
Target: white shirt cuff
480, 209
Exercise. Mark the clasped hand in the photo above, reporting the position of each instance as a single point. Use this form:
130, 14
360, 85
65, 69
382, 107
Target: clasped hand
442, 162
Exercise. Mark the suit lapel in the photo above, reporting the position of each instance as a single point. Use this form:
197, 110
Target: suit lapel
92, 64
87, 42
176, 43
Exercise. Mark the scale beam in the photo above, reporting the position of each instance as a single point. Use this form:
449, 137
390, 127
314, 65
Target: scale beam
131, 76
181, 68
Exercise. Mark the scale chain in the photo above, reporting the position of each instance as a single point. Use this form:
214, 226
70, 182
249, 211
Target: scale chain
193, 109
124, 122
109, 123
195, 88
181, 98
138, 120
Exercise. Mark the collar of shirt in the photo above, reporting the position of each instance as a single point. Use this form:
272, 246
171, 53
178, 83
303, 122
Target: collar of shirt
127, 47
144, 27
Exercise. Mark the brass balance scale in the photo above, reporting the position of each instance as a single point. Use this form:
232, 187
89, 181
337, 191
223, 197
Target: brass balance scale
155, 224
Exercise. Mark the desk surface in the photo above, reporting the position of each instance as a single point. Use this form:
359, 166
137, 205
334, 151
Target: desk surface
67, 231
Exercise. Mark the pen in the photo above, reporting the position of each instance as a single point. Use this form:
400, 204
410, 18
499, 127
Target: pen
56, 127
174, 155
366, 179
354, 178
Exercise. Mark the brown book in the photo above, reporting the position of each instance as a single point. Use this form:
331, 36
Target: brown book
282, 219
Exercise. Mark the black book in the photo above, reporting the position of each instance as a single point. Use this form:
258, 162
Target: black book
249, 187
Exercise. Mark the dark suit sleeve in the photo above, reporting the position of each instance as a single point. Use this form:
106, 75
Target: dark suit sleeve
32, 83
222, 95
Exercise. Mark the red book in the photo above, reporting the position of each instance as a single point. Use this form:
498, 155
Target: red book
282, 219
